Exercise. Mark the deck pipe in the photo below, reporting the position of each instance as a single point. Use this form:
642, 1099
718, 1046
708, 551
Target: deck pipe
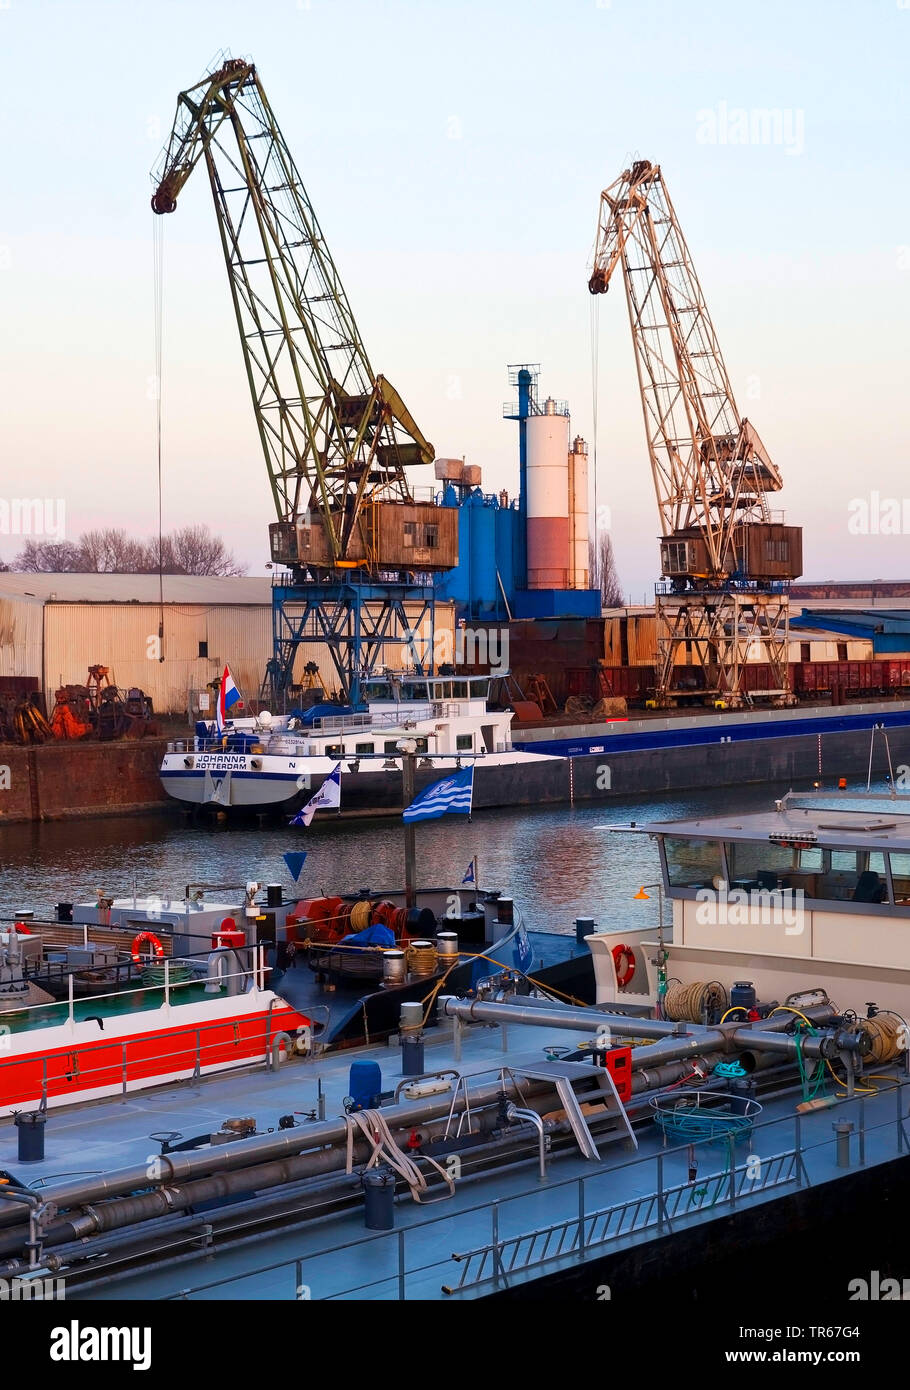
174, 1168
674, 1040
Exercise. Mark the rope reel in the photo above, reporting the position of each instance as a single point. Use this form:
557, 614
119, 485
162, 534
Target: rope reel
691, 1003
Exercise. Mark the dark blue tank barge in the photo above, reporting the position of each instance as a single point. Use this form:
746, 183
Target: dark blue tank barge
496, 1145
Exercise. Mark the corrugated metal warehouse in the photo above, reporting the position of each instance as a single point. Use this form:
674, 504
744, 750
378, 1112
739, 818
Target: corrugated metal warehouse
54, 626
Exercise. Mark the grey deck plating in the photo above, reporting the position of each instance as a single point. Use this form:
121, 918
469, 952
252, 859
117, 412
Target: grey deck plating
335, 1257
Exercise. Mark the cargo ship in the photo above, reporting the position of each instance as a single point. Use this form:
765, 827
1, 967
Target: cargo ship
268, 763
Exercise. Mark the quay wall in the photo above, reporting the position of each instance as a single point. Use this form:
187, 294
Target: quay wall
63, 781
66, 781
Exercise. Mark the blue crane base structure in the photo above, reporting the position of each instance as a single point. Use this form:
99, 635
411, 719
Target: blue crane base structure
355, 620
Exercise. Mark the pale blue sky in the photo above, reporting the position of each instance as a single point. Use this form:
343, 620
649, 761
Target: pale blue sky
455, 154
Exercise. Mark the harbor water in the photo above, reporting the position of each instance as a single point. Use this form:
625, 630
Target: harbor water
557, 863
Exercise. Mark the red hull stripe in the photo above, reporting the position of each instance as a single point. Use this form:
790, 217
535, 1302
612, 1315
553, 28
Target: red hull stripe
150, 1057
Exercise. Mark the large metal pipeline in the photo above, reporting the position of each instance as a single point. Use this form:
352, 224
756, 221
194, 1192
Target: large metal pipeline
171, 1169
675, 1040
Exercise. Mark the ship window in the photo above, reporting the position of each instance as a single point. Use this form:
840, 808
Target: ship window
410, 535
363, 748
391, 745
422, 745
900, 873
855, 875
333, 750
460, 690
465, 741
432, 537
805, 651
758, 864
203, 648
842, 651
692, 863
811, 859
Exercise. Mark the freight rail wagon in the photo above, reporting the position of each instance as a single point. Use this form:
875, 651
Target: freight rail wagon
808, 679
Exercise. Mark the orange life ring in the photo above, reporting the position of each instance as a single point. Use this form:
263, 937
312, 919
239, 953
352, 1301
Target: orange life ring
623, 964
149, 936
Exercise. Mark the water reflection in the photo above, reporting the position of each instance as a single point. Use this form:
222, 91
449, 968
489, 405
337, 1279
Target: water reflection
556, 862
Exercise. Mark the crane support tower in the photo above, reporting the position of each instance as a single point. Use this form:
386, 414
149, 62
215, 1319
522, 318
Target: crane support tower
726, 560
353, 543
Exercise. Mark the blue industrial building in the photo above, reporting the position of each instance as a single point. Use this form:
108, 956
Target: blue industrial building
887, 629
491, 578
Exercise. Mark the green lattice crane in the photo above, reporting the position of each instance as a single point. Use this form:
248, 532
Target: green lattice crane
336, 436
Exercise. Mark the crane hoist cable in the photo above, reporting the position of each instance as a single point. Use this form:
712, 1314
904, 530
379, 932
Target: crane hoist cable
158, 290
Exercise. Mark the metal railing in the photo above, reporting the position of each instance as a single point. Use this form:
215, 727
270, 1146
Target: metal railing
167, 986
581, 1234
590, 1227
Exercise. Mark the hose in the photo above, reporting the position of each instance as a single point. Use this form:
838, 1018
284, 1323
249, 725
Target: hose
376, 1131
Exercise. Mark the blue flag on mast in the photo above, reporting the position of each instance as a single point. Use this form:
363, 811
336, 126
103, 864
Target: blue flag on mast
454, 793
328, 798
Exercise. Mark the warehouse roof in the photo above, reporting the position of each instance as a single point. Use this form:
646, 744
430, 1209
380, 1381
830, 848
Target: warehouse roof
136, 588
862, 621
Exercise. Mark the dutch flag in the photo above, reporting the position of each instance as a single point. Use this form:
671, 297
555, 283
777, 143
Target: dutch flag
229, 701
453, 793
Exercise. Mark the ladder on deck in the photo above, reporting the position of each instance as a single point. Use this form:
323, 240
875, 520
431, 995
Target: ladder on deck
578, 1084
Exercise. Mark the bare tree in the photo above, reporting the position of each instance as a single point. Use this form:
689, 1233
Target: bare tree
197, 551
49, 557
603, 571
111, 551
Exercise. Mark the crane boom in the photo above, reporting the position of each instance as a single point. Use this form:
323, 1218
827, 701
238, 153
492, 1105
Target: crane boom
335, 435
711, 472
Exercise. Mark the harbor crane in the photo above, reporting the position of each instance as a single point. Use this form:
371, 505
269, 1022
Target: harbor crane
352, 543
726, 561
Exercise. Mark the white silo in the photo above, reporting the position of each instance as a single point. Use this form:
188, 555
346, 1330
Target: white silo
549, 560
578, 514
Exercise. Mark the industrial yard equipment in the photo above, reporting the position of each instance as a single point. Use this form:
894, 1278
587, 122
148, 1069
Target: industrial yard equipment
100, 709
336, 435
725, 561
22, 719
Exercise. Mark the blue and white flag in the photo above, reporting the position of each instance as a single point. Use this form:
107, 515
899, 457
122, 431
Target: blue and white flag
453, 793
328, 798
469, 879
522, 954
